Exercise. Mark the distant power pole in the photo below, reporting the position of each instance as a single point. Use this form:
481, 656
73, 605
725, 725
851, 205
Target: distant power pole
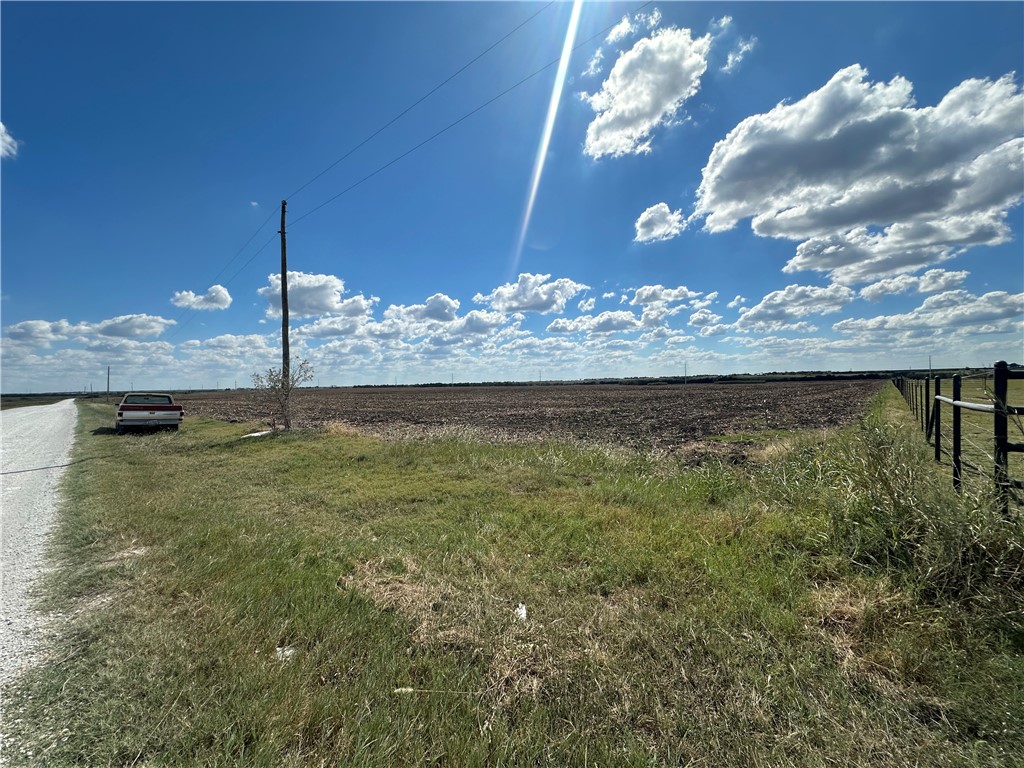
108, 384
286, 362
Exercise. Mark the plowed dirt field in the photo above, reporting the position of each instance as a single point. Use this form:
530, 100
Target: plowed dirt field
667, 417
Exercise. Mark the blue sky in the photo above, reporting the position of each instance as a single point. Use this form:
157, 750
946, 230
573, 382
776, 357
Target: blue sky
726, 187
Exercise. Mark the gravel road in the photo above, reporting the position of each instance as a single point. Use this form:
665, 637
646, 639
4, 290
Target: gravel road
35, 447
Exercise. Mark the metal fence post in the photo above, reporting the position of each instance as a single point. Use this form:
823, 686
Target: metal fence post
1000, 433
957, 465
938, 419
927, 404
921, 405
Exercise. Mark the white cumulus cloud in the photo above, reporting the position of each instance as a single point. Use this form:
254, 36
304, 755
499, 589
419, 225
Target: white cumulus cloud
8, 144
594, 65
309, 295
737, 54
532, 293
658, 222
649, 20
216, 297
477, 322
932, 281
959, 310
869, 183
131, 326
44, 332
781, 310
41, 333
703, 317
707, 301
651, 294
614, 321
623, 29
645, 89
438, 308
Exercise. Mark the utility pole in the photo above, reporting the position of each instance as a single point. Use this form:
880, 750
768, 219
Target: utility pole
286, 362
108, 385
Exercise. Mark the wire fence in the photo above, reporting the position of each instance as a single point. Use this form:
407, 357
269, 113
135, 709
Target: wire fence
970, 442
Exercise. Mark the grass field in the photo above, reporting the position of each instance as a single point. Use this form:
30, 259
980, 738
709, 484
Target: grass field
324, 598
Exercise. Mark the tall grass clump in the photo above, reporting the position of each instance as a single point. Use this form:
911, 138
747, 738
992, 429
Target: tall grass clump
879, 502
920, 590
900, 514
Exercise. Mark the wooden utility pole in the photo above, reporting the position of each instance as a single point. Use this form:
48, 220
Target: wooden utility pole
286, 363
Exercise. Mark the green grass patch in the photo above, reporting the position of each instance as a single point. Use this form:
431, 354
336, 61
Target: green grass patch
319, 598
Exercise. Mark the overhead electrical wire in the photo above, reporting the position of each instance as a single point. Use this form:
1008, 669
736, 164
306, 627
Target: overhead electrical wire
227, 282
413, 149
420, 100
456, 122
251, 238
355, 148
186, 310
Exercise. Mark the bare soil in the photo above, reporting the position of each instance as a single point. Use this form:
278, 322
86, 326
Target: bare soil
658, 417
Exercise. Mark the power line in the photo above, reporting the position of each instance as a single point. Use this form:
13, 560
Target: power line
241, 269
365, 141
411, 150
245, 245
456, 122
423, 98
186, 310
228, 281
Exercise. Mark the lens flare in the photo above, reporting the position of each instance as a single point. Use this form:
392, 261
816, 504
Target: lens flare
549, 125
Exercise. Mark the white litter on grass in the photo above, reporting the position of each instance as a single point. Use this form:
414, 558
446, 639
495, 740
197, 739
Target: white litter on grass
259, 434
285, 653
521, 612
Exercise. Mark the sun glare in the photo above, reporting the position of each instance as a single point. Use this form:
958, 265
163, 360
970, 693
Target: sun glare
549, 125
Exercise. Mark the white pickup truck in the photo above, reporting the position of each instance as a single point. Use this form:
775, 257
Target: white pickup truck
147, 409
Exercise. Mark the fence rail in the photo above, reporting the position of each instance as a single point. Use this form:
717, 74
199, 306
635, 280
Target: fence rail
927, 409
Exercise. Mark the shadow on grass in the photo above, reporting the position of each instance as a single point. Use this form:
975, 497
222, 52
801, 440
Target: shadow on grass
51, 466
131, 431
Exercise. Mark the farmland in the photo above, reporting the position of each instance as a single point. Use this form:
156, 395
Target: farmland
465, 593
664, 418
